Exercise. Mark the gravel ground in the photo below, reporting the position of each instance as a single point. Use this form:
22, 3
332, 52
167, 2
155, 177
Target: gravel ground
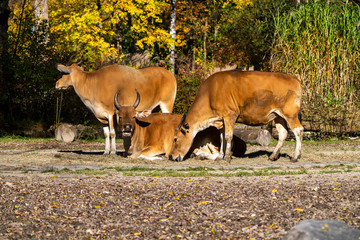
63, 205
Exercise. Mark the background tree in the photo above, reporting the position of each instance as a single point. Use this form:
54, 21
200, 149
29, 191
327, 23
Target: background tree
209, 34
173, 35
4, 72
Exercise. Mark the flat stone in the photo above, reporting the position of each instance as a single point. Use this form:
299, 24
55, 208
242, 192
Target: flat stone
322, 230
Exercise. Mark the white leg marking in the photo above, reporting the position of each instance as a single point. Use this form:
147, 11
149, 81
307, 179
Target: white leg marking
282, 136
112, 135
107, 140
298, 136
222, 139
113, 142
228, 139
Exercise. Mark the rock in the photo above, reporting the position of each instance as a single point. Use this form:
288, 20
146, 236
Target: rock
255, 136
322, 230
65, 132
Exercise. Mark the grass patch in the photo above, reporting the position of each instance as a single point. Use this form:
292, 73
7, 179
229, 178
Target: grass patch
86, 171
208, 172
16, 138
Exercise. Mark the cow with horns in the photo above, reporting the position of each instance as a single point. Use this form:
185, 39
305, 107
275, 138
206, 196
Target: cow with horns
150, 136
97, 89
251, 98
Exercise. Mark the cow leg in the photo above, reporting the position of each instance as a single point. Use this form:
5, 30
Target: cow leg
298, 131
112, 135
280, 125
150, 153
222, 144
229, 131
107, 140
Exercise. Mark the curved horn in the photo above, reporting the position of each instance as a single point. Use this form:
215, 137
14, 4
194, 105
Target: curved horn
182, 121
116, 101
137, 99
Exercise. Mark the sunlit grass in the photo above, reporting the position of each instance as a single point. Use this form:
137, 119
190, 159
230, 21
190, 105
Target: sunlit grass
206, 172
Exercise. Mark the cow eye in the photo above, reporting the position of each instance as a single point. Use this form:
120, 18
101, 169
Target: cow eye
175, 140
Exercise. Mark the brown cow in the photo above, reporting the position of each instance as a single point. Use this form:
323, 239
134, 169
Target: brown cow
152, 135
252, 98
97, 89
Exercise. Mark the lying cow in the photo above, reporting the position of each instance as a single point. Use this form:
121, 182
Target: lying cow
251, 98
152, 134
97, 89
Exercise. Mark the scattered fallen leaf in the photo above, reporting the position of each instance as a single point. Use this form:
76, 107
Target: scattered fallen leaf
167, 205
203, 202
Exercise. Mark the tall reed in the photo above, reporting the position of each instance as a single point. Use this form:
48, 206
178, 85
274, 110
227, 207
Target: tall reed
319, 43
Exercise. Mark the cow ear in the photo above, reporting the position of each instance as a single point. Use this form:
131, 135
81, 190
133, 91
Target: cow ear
143, 114
62, 68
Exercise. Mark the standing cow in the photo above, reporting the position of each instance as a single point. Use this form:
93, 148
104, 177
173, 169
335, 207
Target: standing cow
97, 89
252, 98
151, 135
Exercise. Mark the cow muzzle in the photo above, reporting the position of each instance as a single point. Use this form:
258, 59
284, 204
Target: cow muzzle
177, 159
127, 130
58, 87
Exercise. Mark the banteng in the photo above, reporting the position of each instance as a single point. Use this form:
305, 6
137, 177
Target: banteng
97, 89
251, 98
150, 136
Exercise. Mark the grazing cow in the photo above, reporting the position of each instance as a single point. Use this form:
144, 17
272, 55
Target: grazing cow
252, 98
152, 135
97, 89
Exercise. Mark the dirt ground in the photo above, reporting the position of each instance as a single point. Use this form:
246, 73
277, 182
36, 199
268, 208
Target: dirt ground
38, 204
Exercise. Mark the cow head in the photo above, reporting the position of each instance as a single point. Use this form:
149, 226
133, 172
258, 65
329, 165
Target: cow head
182, 141
66, 80
126, 115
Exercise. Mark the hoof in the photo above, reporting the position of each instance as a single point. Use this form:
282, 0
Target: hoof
219, 159
273, 159
227, 159
177, 159
294, 159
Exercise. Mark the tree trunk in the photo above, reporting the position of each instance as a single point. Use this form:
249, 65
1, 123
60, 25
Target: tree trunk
205, 38
172, 35
216, 29
5, 60
119, 38
4, 16
41, 13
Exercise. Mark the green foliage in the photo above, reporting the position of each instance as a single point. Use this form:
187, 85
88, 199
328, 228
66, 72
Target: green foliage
27, 92
319, 43
316, 41
188, 83
246, 34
